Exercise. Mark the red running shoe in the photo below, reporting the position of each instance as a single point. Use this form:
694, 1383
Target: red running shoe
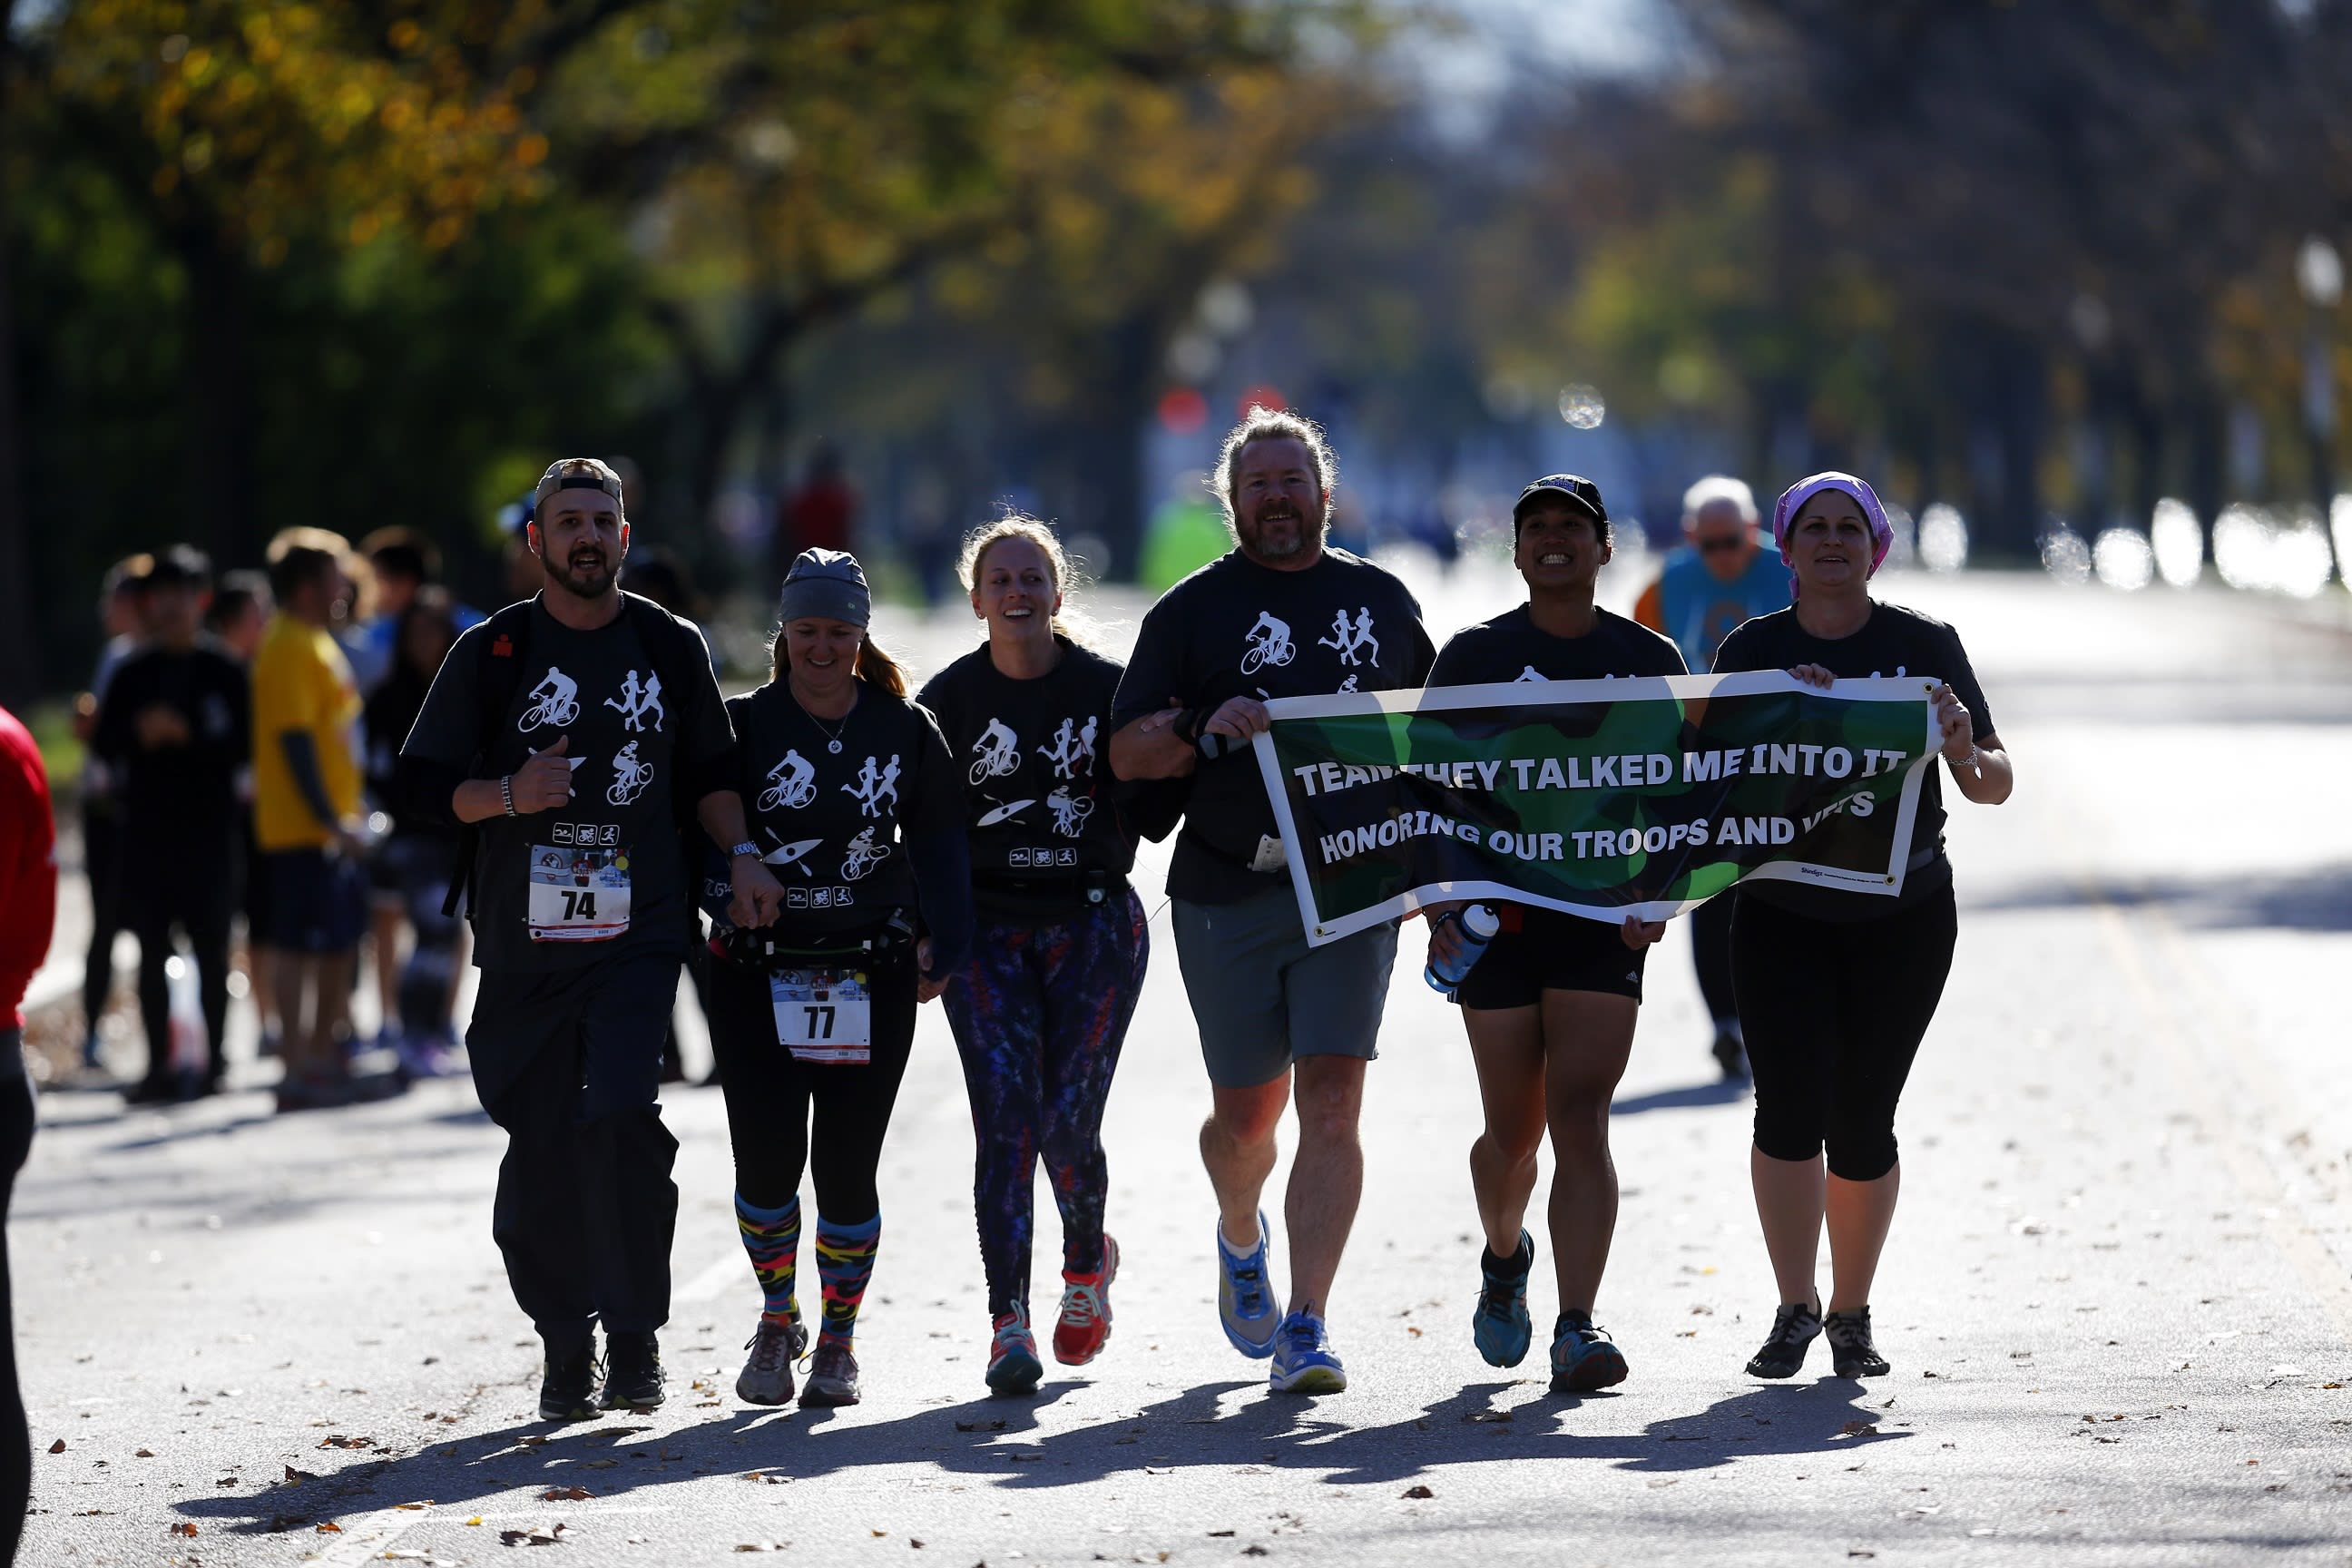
1085, 1326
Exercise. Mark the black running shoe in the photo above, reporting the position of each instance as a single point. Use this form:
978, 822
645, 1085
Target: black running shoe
1731, 1057
1794, 1326
568, 1392
633, 1373
1852, 1354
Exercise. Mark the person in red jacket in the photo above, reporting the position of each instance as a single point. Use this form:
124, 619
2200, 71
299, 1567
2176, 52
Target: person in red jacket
29, 910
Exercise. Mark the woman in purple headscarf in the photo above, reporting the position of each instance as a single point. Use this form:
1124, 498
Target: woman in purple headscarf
1836, 988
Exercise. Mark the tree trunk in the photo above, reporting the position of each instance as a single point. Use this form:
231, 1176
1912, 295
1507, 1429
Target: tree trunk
20, 647
216, 382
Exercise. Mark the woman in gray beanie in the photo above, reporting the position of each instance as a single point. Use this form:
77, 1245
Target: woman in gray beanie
854, 800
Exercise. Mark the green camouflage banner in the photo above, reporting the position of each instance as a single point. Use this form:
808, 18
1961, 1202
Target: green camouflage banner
1602, 798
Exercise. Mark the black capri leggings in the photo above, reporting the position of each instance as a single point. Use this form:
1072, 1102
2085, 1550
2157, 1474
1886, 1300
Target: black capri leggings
1834, 1012
769, 1093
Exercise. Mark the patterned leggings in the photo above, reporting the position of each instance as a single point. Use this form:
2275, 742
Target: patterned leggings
1039, 1017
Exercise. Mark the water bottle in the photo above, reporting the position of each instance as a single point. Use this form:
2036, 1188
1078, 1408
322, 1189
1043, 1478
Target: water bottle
1478, 925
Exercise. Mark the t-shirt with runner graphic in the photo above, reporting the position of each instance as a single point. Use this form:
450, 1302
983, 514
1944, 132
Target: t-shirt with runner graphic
1512, 648
601, 875
833, 824
1236, 628
1895, 641
1033, 760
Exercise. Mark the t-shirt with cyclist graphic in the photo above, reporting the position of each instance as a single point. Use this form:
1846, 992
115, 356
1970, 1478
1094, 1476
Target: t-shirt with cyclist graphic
1033, 760
1236, 628
602, 874
835, 825
1512, 648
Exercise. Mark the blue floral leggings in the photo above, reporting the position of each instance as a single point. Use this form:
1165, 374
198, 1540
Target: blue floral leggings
1039, 1017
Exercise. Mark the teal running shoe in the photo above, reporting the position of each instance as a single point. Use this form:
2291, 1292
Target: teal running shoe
1303, 1361
1499, 1324
1245, 1296
1583, 1358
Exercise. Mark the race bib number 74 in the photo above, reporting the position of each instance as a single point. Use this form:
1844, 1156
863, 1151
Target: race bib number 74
579, 892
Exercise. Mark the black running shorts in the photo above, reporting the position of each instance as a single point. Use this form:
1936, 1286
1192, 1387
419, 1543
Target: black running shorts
1541, 950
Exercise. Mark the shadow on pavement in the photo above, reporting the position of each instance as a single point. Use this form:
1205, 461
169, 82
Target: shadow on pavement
2319, 900
1721, 1091
991, 1436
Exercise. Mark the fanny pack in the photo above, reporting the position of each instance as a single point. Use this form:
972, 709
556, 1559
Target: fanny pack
772, 949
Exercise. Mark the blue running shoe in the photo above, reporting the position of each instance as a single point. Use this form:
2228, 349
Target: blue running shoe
1499, 1324
1583, 1357
1245, 1296
1303, 1361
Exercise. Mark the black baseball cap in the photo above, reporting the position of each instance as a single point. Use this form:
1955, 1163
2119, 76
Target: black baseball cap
1575, 488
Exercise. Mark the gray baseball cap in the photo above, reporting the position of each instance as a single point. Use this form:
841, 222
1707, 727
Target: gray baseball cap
827, 583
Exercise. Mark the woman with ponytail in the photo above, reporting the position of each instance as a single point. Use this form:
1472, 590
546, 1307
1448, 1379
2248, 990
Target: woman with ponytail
1041, 1010
854, 804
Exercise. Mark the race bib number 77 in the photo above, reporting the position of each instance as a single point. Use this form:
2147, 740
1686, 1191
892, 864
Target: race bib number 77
823, 1015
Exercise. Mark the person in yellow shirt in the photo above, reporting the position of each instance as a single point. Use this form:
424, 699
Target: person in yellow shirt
307, 821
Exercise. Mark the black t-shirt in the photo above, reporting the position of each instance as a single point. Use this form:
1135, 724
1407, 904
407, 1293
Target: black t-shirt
548, 886
1235, 629
1511, 647
390, 713
185, 795
1039, 800
834, 824
1893, 641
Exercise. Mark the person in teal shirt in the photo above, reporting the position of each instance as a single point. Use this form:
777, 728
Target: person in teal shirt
1719, 578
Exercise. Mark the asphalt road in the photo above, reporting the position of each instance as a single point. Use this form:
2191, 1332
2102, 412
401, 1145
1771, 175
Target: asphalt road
2119, 1298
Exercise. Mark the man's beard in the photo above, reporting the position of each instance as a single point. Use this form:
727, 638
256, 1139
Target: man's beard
583, 582
1307, 534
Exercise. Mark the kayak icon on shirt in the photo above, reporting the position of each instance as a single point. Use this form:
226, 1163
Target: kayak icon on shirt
792, 854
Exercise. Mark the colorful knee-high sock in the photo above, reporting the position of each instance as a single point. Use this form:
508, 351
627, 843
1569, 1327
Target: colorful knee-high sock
844, 1262
772, 1238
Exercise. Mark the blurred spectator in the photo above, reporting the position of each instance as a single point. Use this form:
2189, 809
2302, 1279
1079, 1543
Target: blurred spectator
1716, 579
821, 515
122, 611
413, 863
239, 612
525, 575
306, 802
174, 728
28, 908
655, 572
238, 616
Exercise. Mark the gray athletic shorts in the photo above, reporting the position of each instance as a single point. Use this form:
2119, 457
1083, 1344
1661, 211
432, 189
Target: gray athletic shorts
1262, 998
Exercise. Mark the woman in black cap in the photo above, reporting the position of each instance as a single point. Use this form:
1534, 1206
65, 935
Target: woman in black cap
854, 801
1552, 1004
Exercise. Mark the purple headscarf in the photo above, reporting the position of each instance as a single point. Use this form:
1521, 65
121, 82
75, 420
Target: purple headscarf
1792, 501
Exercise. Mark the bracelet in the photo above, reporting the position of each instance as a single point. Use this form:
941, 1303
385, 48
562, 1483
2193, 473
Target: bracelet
506, 794
1967, 761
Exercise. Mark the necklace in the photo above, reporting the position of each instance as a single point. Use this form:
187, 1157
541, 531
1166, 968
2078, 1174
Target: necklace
832, 736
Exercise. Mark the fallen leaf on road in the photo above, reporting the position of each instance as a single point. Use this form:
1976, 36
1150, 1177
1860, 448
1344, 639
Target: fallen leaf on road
915, 1543
1254, 1551
1419, 1491
414, 1507
476, 1520
603, 1464
1856, 1428
761, 1545
60, 1446
329, 1528
1158, 1469
1487, 1416
183, 1527
298, 1477
1215, 1532
347, 1442
145, 1454
1413, 1332
536, 1535
566, 1494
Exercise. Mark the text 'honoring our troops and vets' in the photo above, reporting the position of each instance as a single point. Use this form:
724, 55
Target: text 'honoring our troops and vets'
1602, 798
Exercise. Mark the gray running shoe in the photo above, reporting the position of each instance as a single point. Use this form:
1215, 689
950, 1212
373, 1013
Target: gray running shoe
833, 1377
767, 1376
